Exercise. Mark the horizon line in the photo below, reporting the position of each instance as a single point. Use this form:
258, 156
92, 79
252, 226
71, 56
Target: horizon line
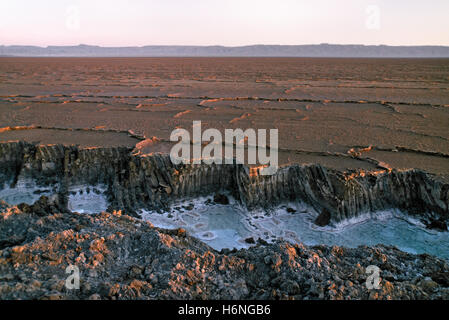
224, 46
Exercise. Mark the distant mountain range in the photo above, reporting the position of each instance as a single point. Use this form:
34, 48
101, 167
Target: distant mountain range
320, 50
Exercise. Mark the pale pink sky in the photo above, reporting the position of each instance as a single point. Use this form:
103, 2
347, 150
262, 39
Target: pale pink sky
223, 22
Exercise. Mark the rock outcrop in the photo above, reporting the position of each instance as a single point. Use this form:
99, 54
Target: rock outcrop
153, 181
121, 257
324, 218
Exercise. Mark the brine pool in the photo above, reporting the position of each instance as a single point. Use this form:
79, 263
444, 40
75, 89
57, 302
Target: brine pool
227, 226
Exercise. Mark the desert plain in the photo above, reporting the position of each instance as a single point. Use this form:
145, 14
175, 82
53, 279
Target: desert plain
345, 114
363, 146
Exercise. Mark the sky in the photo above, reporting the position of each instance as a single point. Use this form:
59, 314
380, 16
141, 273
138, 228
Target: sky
223, 22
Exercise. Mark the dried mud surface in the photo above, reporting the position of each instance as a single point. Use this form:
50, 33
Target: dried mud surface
344, 114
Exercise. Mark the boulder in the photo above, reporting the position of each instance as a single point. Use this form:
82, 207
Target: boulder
221, 199
324, 218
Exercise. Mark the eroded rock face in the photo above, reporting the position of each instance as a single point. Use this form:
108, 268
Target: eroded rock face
152, 182
121, 257
346, 196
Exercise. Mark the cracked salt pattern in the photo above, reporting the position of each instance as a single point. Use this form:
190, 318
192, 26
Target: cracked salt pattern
216, 225
87, 199
390, 227
25, 191
82, 199
227, 227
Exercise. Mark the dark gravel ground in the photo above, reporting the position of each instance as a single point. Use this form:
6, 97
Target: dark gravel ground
120, 257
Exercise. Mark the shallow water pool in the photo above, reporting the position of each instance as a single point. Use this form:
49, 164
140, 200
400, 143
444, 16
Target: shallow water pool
228, 227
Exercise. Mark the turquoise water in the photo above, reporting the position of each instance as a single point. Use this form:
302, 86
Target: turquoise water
393, 230
228, 226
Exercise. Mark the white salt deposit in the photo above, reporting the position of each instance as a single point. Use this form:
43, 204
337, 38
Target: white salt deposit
87, 199
25, 191
227, 226
217, 225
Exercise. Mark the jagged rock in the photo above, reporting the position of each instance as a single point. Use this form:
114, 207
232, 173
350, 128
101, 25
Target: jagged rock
441, 278
135, 272
121, 257
43, 206
324, 218
11, 241
250, 240
221, 199
181, 232
152, 182
439, 225
428, 285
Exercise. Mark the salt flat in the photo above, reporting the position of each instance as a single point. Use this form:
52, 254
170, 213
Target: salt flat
343, 113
